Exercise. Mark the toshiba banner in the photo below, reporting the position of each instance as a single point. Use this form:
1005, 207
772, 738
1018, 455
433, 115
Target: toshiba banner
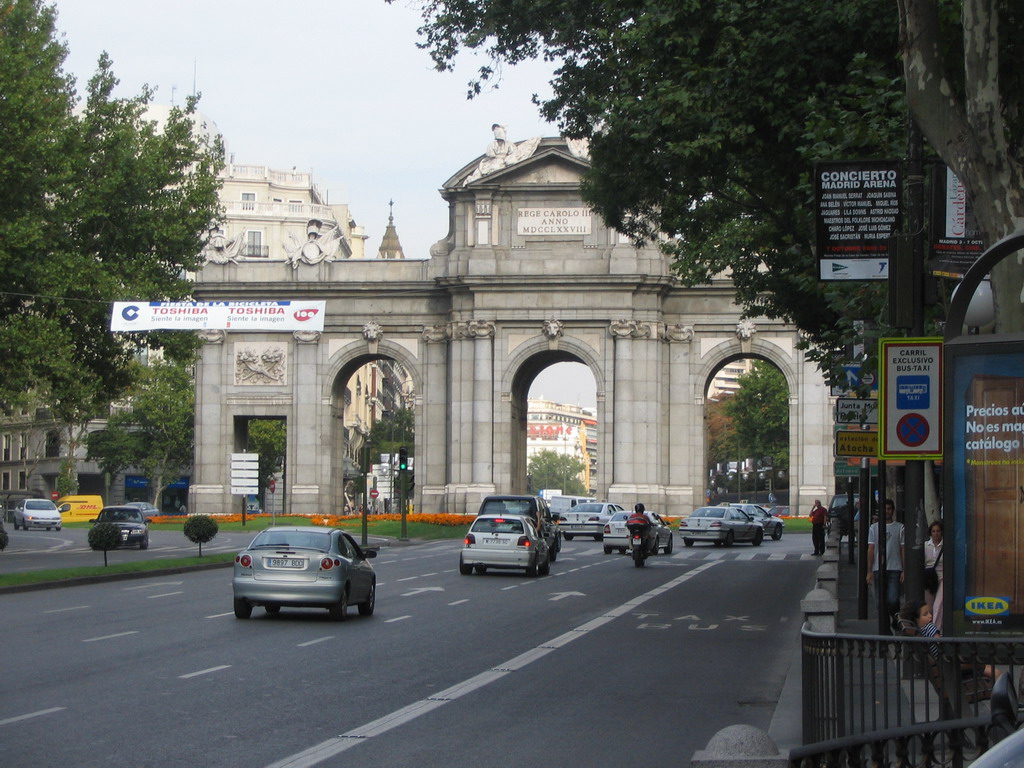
218, 315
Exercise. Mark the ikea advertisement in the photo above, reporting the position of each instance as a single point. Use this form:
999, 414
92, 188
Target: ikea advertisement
218, 316
984, 579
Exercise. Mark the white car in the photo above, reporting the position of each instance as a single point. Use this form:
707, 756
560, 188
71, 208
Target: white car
616, 535
36, 513
504, 541
587, 519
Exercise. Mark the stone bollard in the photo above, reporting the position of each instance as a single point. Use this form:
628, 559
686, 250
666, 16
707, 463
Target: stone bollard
820, 610
827, 577
740, 746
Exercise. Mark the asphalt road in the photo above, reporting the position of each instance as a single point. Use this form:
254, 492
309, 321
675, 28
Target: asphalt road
69, 548
577, 668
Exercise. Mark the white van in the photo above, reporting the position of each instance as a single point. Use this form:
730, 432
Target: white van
561, 504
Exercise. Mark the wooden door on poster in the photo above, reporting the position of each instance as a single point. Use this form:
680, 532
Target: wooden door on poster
996, 526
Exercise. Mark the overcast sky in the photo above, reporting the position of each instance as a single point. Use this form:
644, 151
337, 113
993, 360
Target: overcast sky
334, 87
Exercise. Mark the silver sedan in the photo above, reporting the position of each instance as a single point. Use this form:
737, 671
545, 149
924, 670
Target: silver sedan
306, 568
721, 525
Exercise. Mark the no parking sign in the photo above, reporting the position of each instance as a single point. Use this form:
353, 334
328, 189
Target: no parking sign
910, 398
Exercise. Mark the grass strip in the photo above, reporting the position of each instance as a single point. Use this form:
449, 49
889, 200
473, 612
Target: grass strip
92, 571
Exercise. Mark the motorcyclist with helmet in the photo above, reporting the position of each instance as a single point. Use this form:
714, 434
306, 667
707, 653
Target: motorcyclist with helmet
640, 520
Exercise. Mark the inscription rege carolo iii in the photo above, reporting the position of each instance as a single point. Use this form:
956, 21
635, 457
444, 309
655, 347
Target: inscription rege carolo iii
553, 221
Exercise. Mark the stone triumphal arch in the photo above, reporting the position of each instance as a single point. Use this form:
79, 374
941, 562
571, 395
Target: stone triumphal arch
527, 276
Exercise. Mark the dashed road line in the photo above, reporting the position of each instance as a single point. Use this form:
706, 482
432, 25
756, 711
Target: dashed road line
40, 713
338, 744
204, 671
110, 637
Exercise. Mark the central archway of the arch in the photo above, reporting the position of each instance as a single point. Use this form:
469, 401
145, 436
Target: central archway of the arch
527, 276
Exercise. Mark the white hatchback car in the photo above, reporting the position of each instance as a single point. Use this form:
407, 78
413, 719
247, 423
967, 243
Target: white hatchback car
36, 513
504, 541
587, 519
616, 535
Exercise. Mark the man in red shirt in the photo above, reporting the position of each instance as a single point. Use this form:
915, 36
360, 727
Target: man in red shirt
818, 514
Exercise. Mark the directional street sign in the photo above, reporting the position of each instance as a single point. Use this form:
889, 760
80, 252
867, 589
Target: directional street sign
245, 473
852, 410
856, 443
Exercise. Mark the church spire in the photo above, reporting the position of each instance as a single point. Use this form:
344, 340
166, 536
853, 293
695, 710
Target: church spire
390, 246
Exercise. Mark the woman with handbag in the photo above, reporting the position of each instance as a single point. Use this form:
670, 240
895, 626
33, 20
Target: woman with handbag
933, 571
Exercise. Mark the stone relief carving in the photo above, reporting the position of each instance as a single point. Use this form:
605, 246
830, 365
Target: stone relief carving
481, 329
306, 337
579, 148
628, 329
552, 328
678, 332
502, 153
220, 250
745, 330
474, 329
322, 243
212, 336
260, 363
435, 333
372, 331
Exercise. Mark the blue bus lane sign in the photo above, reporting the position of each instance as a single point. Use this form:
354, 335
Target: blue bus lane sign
910, 398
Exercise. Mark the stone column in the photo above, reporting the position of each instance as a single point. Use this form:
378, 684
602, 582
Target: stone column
432, 426
209, 491
636, 409
309, 451
483, 401
684, 427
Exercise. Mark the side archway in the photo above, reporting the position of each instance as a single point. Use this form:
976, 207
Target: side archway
522, 368
342, 367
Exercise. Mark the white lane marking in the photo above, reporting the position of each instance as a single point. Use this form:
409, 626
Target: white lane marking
166, 594
110, 637
72, 608
314, 642
204, 671
154, 585
41, 712
331, 747
419, 590
459, 602
397, 618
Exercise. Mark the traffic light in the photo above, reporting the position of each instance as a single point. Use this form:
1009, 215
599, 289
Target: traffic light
403, 458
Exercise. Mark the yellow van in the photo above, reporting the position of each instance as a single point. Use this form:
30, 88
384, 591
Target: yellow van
79, 509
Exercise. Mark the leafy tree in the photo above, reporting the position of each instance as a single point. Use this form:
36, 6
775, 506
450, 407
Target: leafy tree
551, 469
104, 536
156, 433
200, 529
759, 412
96, 205
705, 120
4, 537
267, 438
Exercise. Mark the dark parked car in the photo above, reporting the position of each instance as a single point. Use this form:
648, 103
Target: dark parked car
130, 523
839, 511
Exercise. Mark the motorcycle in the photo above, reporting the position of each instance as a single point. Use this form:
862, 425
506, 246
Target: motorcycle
638, 544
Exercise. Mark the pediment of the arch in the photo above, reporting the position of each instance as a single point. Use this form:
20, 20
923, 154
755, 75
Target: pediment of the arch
550, 163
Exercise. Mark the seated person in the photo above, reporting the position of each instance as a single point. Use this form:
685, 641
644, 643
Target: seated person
919, 615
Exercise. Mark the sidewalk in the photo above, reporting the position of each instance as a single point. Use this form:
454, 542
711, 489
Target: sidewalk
786, 728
